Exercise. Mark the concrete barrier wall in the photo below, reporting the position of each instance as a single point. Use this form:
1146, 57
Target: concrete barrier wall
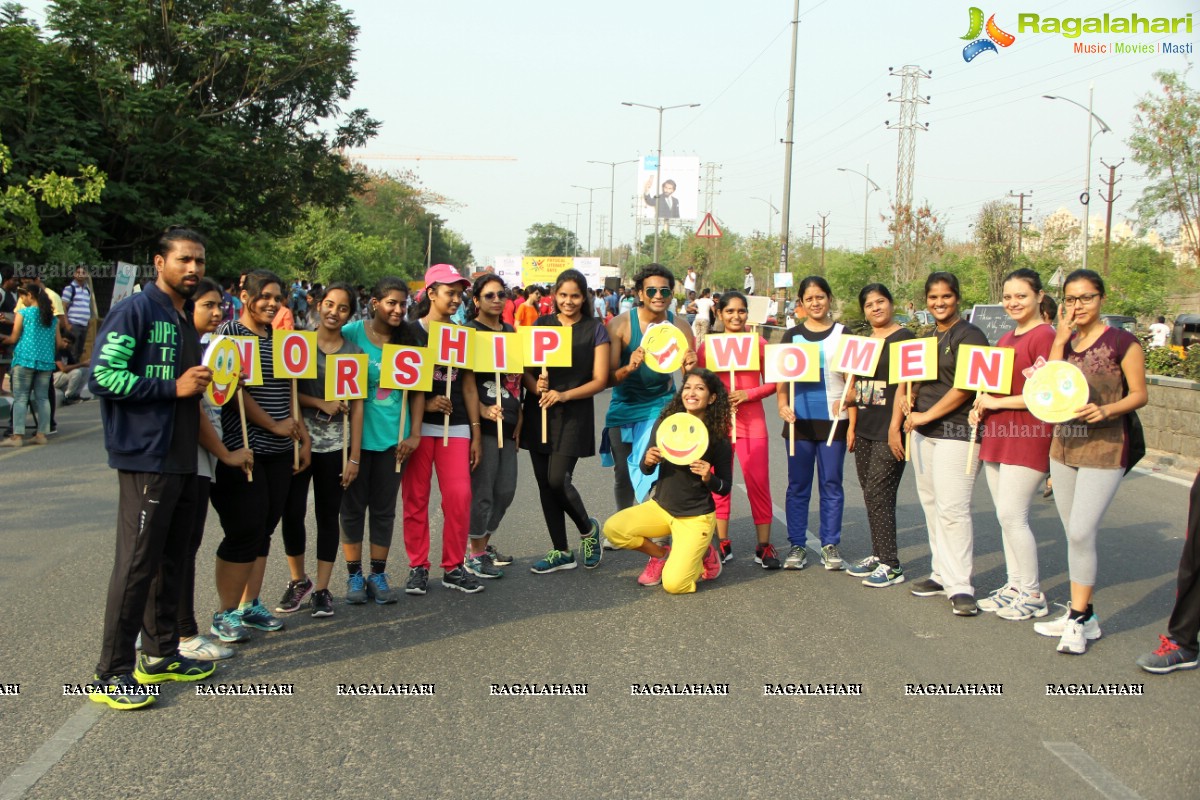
1172, 420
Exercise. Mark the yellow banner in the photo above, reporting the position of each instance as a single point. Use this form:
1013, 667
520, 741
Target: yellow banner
544, 269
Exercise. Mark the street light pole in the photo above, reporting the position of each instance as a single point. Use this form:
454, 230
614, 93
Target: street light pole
577, 205
612, 200
658, 165
772, 209
866, 197
589, 189
1087, 192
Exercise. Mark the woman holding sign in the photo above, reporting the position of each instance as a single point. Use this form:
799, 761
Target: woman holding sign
691, 450
878, 443
326, 422
494, 481
250, 509
383, 450
452, 444
1090, 455
746, 389
818, 406
1016, 450
566, 394
941, 433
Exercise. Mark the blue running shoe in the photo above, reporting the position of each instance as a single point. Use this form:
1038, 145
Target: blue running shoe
379, 590
257, 616
227, 626
593, 552
554, 561
356, 589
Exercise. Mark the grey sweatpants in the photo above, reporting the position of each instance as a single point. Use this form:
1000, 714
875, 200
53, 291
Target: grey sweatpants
1013, 488
1082, 495
493, 483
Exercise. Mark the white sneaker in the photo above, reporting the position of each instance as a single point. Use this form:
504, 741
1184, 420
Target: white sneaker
203, 648
1058, 626
605, 544
1074, 639
1027, 606
1001, 598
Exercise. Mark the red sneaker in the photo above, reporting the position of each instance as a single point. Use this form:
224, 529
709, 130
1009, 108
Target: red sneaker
652, 574
712, 564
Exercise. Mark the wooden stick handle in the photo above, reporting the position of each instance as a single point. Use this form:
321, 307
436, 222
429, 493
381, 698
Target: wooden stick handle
545, 374
971, 446
245, 433
792, 425
296, 417
841, 407
908, 435
446, 422
345, 441
500, 419
403, 419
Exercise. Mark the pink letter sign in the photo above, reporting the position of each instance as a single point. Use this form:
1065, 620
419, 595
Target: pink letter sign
546, 346
346, 377
731, 352
913, 360
451, 344
497, 352
406, 368
984, 369
792, 363
293, 354
857, 355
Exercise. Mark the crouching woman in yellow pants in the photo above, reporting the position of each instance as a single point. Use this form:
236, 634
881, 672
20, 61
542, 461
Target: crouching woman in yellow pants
680, 503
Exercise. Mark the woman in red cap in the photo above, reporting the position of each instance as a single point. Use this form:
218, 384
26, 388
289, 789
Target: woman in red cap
454, 455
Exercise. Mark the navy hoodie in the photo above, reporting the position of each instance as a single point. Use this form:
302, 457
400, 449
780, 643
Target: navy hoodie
135, 361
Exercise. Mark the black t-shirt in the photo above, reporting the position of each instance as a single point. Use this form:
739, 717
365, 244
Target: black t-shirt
509, 389
954, 426
875, 396
570, 426
680, 492
458, 415
185, 432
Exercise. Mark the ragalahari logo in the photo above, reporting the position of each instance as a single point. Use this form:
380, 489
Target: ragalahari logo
995, 36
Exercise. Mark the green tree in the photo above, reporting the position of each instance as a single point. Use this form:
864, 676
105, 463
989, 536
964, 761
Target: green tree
1166, 143
549, 239
1139, 279
996, 242
20, 217
223, 115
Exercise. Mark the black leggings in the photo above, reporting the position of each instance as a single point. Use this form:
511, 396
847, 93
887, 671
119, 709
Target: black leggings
325, 475
879, 476
249, 511
186, 615
559, 496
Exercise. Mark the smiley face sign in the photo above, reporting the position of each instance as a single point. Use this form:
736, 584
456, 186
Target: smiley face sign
682, 438
223, 358
664, 346
1055, 391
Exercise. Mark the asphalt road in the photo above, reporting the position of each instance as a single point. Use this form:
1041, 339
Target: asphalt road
747, 629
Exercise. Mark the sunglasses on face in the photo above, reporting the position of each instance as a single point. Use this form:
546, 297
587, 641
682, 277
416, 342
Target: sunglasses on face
659, 291
490, 296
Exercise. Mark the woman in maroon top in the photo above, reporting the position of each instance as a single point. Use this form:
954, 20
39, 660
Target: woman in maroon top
1090, 454
1016, 450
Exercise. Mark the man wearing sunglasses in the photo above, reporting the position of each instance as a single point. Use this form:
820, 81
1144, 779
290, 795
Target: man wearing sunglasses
639, 393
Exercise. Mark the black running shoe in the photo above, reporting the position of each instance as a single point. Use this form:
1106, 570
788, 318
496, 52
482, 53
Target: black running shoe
294, 596
322, 603
121, 692
418, 581
172, 668
459, 578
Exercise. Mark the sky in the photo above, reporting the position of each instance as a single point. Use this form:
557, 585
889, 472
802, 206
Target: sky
543, 82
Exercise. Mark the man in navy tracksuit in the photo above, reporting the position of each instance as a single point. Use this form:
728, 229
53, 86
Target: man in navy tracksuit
147, 374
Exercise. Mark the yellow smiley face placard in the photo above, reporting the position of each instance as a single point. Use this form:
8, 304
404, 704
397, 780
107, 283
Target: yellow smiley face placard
1055, 391
682, 438
225, 361
664, 346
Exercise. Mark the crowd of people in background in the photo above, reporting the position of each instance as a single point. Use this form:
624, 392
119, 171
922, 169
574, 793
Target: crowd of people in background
176, 453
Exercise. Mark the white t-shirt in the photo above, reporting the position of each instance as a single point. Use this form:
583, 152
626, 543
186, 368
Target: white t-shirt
689, 283
704, 308
1159, 332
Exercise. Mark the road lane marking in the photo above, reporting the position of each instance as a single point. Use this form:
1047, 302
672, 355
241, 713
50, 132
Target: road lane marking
25, 776
1087, 768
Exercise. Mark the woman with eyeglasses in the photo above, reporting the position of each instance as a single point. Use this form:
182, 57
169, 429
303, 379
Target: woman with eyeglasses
494, 481
1090, 455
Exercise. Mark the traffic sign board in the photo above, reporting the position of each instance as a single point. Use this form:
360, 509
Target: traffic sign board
708, 228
